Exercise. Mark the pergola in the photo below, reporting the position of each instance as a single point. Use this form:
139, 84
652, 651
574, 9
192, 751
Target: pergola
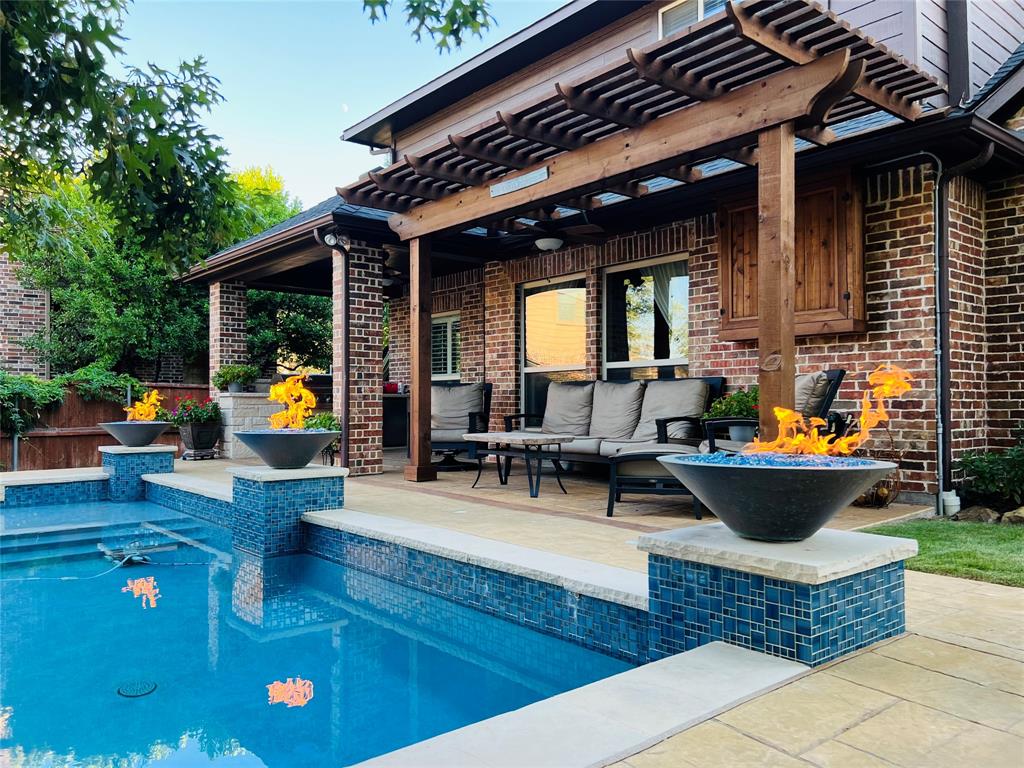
744, 85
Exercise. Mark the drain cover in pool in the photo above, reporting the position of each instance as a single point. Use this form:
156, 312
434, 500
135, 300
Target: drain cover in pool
133, 689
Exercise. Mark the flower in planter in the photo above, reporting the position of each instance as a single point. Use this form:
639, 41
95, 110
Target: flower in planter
192, 411
146, 408
741, 404
299, 403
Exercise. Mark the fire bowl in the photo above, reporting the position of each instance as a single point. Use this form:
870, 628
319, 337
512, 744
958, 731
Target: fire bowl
135, 434
287, 448
774, 496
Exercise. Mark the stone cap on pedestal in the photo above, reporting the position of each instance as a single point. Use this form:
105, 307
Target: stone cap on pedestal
826, 556
140, 449
264, 474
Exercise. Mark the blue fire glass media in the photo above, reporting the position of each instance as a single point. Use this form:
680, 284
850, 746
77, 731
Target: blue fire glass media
126, 471
693, 604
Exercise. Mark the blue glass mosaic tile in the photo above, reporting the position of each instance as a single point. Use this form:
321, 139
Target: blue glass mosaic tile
214, 511
54, 493
693, 604
126, 470
266, 515
611, 628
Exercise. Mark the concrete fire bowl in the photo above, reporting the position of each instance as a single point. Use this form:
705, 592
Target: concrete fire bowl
135, 434
772, 496
287, 448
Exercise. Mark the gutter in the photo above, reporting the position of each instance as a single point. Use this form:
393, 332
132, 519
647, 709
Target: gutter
940, 258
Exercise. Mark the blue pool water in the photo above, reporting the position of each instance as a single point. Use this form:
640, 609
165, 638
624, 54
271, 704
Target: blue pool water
389, 665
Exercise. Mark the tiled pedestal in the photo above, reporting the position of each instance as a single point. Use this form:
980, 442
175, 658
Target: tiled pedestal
268, 504
812, 601
126, 466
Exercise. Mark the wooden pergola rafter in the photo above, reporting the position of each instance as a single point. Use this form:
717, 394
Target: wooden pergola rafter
742, 85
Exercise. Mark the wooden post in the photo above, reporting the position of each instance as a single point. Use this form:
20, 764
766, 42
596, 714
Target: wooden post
419, 469
776, 279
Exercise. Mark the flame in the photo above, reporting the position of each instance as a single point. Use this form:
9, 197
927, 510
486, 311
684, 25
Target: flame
145, 409
295, 692
806, 436
299, 402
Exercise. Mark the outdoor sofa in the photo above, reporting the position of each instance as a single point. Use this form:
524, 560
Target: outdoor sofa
455, 410
609, 419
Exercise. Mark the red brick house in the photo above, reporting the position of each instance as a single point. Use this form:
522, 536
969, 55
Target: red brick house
636, 138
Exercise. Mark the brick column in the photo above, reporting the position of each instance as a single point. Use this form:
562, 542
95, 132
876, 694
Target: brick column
23, 314
501, 354
227, 325
358, 354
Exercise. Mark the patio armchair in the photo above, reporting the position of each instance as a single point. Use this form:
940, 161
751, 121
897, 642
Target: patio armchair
455, 410
815, 394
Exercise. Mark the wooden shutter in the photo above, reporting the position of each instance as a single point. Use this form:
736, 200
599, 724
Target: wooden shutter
829, 261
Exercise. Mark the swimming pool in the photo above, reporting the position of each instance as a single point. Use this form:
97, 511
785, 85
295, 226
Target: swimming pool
221, 634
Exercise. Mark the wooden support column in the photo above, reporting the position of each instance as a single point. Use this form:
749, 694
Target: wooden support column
776, 279
419, 469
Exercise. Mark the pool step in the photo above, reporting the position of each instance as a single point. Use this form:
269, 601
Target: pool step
23, 541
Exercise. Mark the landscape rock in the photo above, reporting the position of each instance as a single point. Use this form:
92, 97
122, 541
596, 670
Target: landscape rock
978, 514
1014, 516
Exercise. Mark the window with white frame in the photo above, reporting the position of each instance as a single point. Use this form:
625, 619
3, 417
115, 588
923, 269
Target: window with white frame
445, 347
646, 319
682, 13
554, 336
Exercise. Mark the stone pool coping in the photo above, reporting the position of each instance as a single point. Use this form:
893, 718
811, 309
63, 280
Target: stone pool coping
585, 577
264, 474
211, 489
826, 556
610, 719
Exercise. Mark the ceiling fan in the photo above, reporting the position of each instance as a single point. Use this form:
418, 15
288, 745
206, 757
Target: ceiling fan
547, 234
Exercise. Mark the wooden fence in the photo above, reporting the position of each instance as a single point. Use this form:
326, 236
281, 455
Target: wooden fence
67, 436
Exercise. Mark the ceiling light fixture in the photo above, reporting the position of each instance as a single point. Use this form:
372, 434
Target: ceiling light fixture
548, 243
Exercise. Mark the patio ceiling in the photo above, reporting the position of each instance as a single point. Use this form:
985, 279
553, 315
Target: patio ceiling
735, 50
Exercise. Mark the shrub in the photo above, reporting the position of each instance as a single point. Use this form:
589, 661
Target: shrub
23, 399
192, 411
741, 404
235, 374
97, 382
324, 420
994, 478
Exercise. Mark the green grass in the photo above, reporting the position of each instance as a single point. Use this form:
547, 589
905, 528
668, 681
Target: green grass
979, 551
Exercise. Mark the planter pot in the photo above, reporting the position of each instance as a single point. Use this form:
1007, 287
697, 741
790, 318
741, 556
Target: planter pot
741, 434
236, 386
775, 497
200, 437
135, 434
287, 448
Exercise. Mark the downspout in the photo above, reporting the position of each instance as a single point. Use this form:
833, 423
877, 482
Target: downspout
940, 261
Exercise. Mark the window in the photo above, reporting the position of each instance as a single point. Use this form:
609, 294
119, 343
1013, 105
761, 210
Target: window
647, 320
679, 15
445, 348
554, 335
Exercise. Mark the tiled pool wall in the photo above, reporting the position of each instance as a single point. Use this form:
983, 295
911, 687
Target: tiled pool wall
693, 604
266, 515
126, 471
54, 493
611, 628
210, 510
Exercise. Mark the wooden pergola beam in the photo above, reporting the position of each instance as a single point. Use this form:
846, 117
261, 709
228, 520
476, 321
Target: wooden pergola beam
445, 171
525, 129
582, 100
420, 299
355, 195
756, 31
478, 150
664, 74
684, 173
782, 97
413, 188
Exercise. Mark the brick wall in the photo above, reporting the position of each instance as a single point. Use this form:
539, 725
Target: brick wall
227, 326
361, 287
1004, 308
968, 396
23, 313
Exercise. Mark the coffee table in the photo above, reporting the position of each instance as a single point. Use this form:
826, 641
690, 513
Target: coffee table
530, 446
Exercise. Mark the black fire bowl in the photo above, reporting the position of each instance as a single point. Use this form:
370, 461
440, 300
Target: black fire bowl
135, 434
772, 496
287, 448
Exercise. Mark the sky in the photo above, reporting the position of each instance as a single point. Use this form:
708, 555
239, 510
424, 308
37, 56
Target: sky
296, 74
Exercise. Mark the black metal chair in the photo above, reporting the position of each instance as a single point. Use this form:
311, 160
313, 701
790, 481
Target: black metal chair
836, 423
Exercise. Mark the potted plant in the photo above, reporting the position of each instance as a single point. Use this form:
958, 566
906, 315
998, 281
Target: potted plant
741, 404
235, 378
327, 421
198, 422
142, 426
289, 443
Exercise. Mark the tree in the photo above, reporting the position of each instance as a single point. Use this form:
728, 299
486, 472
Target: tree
446, 21
135, 140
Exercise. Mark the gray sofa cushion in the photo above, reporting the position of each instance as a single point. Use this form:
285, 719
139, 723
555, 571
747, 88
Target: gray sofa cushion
616, 408
811, 389
665, 399
589, 446
648, 467
568, 409
447, 435
450, 406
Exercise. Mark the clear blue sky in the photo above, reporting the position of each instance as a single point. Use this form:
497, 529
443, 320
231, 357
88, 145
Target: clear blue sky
296, 74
